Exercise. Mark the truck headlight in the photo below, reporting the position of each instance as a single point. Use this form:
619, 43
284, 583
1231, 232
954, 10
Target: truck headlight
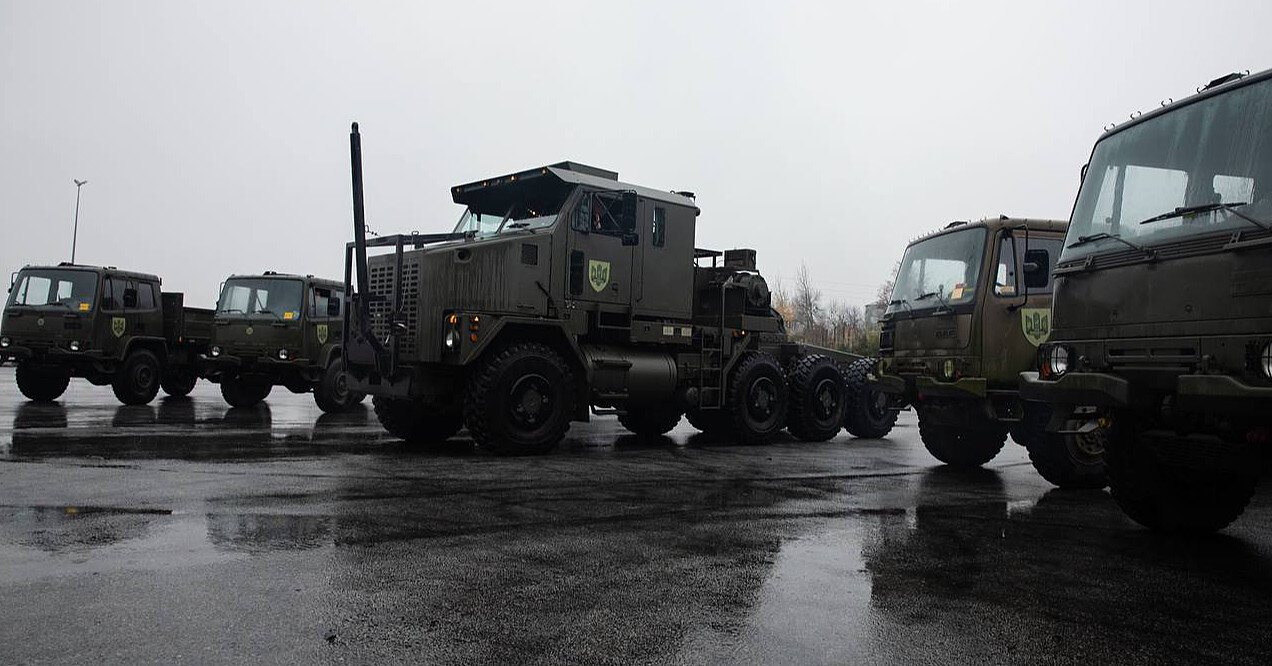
1058, 360
451, 339
282, 354
5, 342
1267, 361
75, 345
215, 351
947, 369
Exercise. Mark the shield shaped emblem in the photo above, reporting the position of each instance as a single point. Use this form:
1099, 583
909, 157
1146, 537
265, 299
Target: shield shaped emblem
118, 325
1036, 323
598, 273
322, 334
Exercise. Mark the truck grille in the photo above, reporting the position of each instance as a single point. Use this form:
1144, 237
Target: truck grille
381, 279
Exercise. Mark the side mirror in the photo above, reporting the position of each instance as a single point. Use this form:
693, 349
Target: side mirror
130, 298
333, 306
630, 205
1037, 269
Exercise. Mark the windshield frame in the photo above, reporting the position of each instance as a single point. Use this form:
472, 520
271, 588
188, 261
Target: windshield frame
944, 304
295, 314
1206, 117
84, 305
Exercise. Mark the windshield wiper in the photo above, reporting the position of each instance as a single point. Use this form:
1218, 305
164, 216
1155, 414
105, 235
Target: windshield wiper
229, 310
1207, 208
1082, 240
938, 296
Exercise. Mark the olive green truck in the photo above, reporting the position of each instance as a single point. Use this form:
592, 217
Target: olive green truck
273, 329
1162, 312
560, 290
109, 326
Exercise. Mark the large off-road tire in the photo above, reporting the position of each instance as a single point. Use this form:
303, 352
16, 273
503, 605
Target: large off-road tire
41, 384
758, 398
1067, 461
178, 382
332, 393
238, 393
1170, 498
650, 420
714, 422
416, 423
961, 446
866, 414
520, 400
817, 399
138, 378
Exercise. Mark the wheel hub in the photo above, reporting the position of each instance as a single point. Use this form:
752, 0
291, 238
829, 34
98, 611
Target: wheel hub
825, 400
531, 400
763, 398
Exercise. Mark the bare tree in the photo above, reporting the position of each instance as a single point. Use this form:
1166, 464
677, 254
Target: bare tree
807, 306
884, 293
854, 325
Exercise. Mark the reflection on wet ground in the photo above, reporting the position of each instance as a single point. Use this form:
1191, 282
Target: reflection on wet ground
281, 534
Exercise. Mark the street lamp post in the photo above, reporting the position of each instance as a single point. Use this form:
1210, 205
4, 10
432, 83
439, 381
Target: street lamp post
75, 233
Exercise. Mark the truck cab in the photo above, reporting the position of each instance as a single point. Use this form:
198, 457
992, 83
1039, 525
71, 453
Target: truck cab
109, 326
970, 305
1163, 307
274, 329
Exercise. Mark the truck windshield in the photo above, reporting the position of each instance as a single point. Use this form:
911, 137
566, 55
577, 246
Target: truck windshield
279, 298
517, 217
939, 272
1180, 168
72, 290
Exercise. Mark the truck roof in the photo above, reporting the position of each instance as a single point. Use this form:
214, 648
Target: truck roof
96, 269
572, 173
1033, 224
1216, 87
276, 274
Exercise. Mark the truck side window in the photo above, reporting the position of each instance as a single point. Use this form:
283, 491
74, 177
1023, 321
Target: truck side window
607, 211
113, 294
583, 214
1005, 279
659, 234
145, 296
326, 303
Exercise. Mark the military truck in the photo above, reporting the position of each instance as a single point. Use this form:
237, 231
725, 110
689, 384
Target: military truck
109, 326
562, 289
273, 329
970, 305
1162, 319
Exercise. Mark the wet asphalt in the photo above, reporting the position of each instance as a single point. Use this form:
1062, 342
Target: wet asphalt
187, 532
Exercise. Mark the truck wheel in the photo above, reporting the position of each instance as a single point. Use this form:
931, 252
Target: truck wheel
1067, 461
817, 399
1169, 498
867, 415
42, 384
238, 393
332, 393
138, 379
520, 400
650, 420
758, 398
970, 446
414, 423
714, 422
178, 383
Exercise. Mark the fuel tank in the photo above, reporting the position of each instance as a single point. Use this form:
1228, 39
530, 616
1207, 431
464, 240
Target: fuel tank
624, 375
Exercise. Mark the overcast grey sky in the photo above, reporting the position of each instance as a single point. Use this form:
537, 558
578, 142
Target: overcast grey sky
214, 135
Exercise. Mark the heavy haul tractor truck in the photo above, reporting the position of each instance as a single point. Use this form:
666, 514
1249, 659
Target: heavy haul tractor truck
274, 329
112, 327
1162, 320
562, 289
970, 306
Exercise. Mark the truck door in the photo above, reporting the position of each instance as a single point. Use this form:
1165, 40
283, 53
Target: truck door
323, 323
1012, 325
602, 248
129, 310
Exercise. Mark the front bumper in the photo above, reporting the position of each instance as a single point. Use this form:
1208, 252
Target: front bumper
229, 365
1192, 392
914, 386
52, 355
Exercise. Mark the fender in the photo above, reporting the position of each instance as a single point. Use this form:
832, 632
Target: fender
157, 345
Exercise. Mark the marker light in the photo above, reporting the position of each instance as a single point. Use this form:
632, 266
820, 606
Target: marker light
282, 354
1267, 361
75, 345
216, 351
5, 342
1059, 360
947, 369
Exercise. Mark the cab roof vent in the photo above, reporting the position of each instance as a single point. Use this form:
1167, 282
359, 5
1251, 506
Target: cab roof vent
585, 169
955, 223
1228, 78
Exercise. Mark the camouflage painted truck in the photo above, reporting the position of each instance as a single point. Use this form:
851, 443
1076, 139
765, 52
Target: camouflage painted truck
274, 329
109, 326
562, 289
970, 306
1162, 320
